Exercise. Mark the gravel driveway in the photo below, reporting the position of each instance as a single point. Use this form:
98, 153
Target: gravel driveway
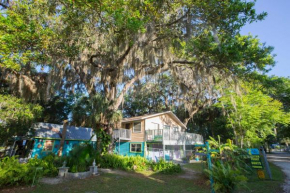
282, 160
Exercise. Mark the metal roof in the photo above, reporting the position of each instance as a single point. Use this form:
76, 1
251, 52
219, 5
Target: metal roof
49, 130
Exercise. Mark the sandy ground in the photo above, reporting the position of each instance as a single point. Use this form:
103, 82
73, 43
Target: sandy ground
282, 160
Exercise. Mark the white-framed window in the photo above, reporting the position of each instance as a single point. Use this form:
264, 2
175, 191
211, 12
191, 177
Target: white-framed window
137, 127
136, 147
175, 129
166, 127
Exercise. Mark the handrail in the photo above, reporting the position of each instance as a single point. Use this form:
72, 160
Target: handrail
121, 133
170, 135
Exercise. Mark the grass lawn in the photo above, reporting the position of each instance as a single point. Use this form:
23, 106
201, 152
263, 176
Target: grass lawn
198, 167
131, 182
266, 186
153, 182
254, 184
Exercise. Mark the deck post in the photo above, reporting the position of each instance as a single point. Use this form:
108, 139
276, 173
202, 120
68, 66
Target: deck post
119, 142
184, 144
163, 144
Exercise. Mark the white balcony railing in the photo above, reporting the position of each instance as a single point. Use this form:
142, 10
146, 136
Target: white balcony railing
122, 134
177, 137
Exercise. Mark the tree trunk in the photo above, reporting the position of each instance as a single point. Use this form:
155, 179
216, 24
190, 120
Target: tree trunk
63, 135
242, 141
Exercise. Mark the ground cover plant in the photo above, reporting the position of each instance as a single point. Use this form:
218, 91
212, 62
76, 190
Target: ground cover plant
13, 173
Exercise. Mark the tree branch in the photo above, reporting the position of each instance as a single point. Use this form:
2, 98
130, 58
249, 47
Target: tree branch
157, 69
3, 5
122, 58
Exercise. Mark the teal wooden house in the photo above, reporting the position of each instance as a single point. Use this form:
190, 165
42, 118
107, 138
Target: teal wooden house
48, 136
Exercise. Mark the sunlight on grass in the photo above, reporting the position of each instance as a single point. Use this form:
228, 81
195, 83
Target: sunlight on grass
197, 167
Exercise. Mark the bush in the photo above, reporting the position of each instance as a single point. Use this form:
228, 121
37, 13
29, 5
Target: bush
124, 162
226, 178
132, 163
165, 167
81, 157
13, 173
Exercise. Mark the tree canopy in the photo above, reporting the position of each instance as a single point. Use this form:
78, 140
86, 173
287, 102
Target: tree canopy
16, 117
105, 48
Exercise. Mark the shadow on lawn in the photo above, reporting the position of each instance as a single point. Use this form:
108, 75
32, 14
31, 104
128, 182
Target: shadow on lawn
123, 181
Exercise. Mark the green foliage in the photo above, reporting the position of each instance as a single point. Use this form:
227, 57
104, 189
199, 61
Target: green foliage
104, 140
24, 35
81, 157
230, 165
251, 114
128, 163
226, 178
165, 167
16, 116
13, 173
137, 163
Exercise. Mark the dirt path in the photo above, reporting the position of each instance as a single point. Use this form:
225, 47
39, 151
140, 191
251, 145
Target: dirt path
282, 160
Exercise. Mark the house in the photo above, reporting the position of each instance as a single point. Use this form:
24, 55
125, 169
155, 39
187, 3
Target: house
155, 136
48, 136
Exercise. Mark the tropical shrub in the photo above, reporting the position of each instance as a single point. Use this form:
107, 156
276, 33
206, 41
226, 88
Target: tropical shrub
81, 157
124, 162
165, 167
226, 178
13, 173
131, 163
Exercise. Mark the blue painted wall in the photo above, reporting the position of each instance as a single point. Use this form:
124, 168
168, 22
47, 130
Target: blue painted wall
38, 151
125, 149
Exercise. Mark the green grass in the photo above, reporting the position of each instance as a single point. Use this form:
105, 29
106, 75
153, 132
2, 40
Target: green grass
254, 184
148, 181
265, 186
198, 167
133, 182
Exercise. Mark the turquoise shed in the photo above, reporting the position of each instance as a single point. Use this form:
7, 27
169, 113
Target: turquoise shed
48, 136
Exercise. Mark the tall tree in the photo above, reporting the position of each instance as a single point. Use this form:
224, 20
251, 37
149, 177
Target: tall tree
106, 46
252, 115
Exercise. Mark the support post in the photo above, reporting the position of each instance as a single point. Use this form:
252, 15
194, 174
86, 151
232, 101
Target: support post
163, 144
209, 166
266, 163
63, 135
12, 149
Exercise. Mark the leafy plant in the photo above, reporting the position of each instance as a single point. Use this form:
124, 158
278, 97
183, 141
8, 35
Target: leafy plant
226, 178
81, 157
165, 167
13, 173
104, 140
132, 163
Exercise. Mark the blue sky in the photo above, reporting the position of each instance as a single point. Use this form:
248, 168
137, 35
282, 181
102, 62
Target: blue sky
274, 31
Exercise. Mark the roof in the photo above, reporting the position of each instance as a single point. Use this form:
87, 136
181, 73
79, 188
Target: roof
143, 117
49, 130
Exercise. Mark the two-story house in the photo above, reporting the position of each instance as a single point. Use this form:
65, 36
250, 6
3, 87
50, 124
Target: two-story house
155, 136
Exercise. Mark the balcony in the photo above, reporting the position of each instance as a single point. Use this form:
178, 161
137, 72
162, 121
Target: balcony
122, 134
170, 137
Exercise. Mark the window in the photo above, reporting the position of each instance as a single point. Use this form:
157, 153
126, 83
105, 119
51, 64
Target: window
48, 145
127, 125
137, 127
136, 147
166, 127
155, 126
175, 129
